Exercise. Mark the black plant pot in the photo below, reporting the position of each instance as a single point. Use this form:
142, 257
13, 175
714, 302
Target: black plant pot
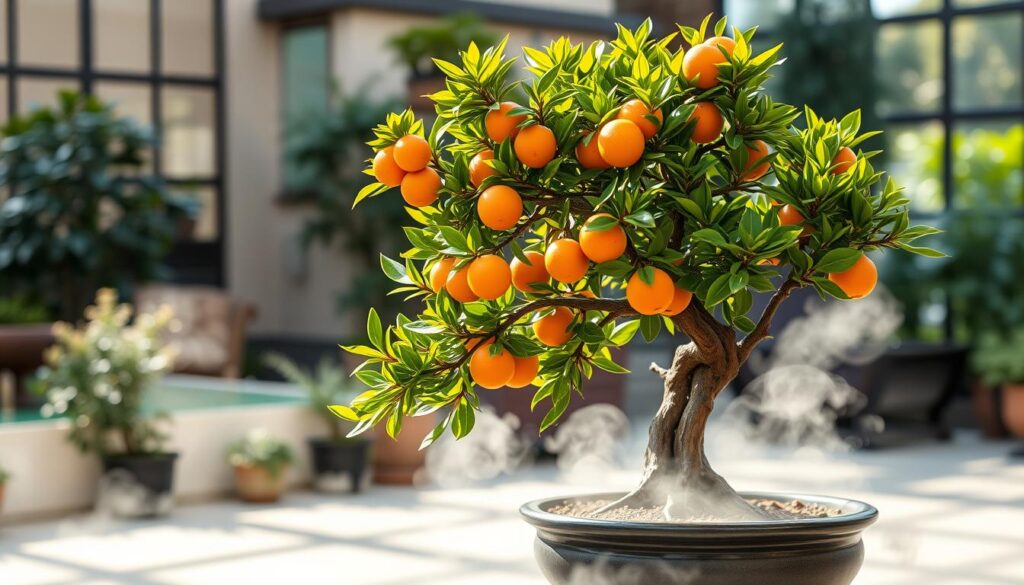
339, 466
137, 486
806, 551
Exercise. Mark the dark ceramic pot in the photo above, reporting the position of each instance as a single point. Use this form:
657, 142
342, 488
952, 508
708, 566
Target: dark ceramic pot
339, 466
810, 551
136, 486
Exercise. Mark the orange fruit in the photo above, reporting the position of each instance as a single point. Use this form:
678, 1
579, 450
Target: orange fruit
535, 146
621, 143
709, 123
499, 207
420, 188
636, 112
489, 276
525, 275
412, 153
602, 246
702, 60
480, 170
565, 260
680, 300
491, 371
457, 286
756, 151
385, 170
859, 280
789, 215
769, 262
525, 371
844, 159
650, 299
589, 154
553, 330
725, 42
439, 273
499, 124
472, 342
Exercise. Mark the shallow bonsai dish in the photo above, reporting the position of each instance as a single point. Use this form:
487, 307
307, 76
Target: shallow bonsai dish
799, 551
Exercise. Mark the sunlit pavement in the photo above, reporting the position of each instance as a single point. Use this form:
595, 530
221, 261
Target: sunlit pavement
952, 514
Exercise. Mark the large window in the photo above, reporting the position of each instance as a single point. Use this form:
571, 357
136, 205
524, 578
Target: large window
161, 62
305, 88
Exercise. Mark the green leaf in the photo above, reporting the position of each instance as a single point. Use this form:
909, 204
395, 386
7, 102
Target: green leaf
710, 236
641, 219
624, 332
719, 290
344, 412
920, 250
394, 270
650, 327
374, 329
838, 260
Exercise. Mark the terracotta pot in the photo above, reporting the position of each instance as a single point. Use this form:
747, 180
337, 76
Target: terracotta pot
21, 352
986, 403
256, 485
1013, 408
395, 461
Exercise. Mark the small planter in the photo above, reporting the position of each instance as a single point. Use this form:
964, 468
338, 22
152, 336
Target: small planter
396, 461
339, 466
256, 485
1013, 409
137, 486
986, 402
806, 551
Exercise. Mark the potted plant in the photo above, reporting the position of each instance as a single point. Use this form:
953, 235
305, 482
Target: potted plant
25, 331
339, 462
97, 376
82, 212
999, 361
261, 462
664, 173
418, 46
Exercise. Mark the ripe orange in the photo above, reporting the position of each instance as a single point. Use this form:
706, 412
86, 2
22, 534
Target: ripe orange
480, 170
636, 112
844, 159
789, 215
536, 146
553, 330
602, 246
499, 207
709, 123
680, 300
725, 42
859, 280
385, 169
565, 260
589, 154
525, 371
525, 275
650, 299
457, 286
472, 342
439, 273
702, 60
489, 276
491, 371
769, 262
419, 188
412, 153
499, 124
621, 143
756, 151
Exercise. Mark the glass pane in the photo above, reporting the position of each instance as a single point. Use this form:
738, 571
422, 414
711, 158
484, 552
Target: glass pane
132, 100
204, 227
48, 33
188, 132
187, 41
890, 8
915, 162
910, 67
987, 166
987, 60
35, 92
121, 35
762, 13
305, 86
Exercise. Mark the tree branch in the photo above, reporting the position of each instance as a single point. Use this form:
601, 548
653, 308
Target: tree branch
761, 329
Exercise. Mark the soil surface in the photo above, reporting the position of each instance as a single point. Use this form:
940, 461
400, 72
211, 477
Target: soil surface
792, 509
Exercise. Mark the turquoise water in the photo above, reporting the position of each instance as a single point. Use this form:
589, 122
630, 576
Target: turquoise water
194, 394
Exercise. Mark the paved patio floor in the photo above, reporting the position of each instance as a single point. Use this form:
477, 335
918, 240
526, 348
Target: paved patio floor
952, 514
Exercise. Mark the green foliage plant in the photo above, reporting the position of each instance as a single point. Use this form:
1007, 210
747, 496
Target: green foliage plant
96, 376
329, 384
999, 359
418, 46
260, 449
693, 211
19, 310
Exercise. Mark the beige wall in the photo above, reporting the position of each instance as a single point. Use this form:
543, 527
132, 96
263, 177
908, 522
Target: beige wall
263, 262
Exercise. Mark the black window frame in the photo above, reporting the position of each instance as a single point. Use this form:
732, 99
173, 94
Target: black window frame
192, 261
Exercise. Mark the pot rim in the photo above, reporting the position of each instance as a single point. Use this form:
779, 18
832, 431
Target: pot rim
843, 530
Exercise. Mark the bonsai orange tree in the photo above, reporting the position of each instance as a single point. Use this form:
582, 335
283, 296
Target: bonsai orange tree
636, 185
